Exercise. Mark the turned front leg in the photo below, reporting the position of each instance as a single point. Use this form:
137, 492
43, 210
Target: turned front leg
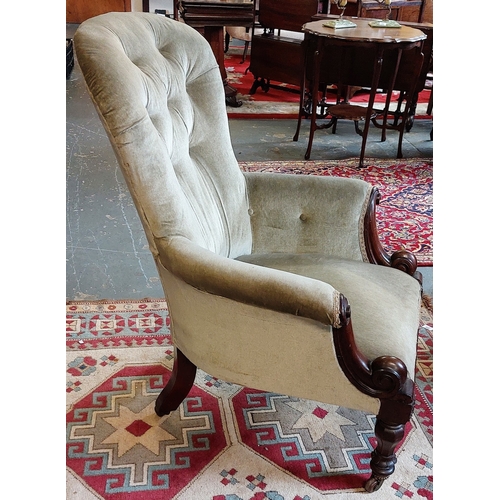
383, 457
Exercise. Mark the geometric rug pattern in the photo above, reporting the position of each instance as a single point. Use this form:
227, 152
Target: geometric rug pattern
225, 442
118, 443
405, 212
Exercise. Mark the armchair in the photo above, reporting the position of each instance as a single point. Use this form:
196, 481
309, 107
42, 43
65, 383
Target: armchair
290, 262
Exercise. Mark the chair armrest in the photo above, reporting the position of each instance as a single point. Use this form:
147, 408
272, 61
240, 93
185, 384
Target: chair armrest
251, 284
308, 214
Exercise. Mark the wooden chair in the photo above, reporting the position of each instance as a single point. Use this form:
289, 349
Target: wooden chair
238, 33
243, 33
287, 267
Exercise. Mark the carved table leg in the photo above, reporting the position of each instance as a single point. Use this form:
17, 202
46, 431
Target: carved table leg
377, 68
178, 386
318, 54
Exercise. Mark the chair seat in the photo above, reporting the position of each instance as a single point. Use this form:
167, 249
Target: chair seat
383, 300
239, 33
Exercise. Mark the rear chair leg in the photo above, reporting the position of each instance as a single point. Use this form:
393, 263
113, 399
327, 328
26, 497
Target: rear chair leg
178, 387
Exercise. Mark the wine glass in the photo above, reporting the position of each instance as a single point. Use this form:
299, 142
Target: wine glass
385, 23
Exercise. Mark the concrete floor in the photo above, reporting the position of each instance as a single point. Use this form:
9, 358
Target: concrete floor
107, 253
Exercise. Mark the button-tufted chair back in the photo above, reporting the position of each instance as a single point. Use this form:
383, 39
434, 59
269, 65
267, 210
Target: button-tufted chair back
171, 140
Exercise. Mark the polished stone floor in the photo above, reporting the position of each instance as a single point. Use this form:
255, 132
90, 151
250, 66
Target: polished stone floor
107, 253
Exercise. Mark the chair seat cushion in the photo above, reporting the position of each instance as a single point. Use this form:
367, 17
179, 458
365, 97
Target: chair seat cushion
385, 302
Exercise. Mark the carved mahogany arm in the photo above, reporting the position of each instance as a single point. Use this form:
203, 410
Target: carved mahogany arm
385, 378
401, 259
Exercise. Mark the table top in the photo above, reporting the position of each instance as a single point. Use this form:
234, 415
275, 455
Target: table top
363, 32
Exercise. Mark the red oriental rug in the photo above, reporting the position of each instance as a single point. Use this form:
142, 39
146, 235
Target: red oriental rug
405, 213
277, 103
225, 442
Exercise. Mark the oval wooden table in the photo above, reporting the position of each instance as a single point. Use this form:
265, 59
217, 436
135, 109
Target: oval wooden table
362, 37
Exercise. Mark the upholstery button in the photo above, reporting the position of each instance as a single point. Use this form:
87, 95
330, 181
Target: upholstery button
302, 217
250, 211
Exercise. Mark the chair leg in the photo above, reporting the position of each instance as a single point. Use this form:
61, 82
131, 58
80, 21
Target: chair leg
245, 50
357, 129
397, 112
178, 386
389, 431
429, 106
383, 457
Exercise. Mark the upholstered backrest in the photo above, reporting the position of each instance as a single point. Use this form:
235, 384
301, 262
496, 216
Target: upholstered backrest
158, 89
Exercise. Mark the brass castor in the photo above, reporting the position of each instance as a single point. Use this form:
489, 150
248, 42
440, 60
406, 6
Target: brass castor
374, 483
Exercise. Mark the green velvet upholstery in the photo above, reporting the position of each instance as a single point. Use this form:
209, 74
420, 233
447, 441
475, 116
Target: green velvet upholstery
245, 259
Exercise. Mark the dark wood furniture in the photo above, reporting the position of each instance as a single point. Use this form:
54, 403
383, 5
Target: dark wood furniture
362, 56
276, 54
406, 67
78, 11
404, 80
401, 10
209, 17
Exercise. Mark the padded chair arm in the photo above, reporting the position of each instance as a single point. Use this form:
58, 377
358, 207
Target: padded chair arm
251, 284
308, 214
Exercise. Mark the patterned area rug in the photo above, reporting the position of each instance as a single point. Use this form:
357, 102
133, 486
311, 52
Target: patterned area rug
225, 442
405, 213
277, 103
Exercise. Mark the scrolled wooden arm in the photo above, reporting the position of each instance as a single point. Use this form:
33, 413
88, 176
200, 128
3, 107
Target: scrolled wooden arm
384, 377
388, 376
401, 259
404, 261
